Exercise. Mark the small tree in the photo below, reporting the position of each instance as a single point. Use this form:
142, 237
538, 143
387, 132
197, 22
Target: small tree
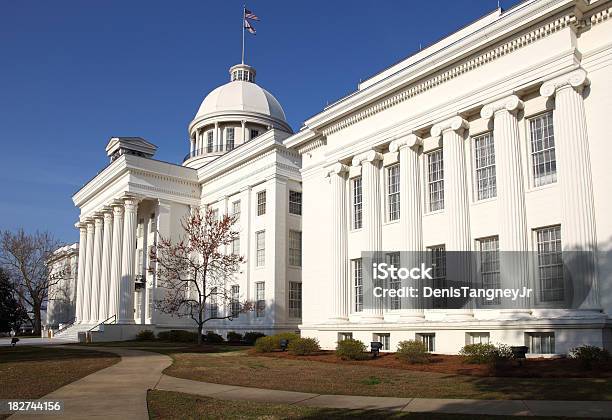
195, 272
24, 257
12, 314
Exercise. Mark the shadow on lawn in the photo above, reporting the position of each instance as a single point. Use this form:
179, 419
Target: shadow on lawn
47, 353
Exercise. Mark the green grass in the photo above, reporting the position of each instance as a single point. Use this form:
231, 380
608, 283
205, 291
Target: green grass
175, 405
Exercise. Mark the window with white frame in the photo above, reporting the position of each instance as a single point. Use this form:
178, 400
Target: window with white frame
295, 248
489, 266
477, 337
235, 304
385, 339
209, 141
437, 258
236, 246
215, 214
540, 342
435, 180
543, 159
357, 272
345, 336
295, 299
261, 202
229, 134
393, 259
295, 202
236, 210
357, 198
484, 164
212, 306
260, 299
393, 192
429, 339
550, 264
260, 239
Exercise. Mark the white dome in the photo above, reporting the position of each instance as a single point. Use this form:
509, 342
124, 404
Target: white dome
241, 97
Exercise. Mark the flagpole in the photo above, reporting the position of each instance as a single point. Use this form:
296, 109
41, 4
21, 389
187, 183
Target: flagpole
243, 14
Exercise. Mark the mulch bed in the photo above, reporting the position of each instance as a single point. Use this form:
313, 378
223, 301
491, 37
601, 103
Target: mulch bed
530, 368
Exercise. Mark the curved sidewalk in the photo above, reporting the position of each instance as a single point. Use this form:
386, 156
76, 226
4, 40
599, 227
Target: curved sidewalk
120, 392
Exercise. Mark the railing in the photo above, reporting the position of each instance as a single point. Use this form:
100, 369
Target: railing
67, 325
113, 317
212, 149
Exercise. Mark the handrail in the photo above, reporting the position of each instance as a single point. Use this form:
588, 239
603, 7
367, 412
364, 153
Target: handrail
69, 324
114, 317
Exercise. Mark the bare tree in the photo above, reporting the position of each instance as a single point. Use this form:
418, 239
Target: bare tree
24, 256
196, 273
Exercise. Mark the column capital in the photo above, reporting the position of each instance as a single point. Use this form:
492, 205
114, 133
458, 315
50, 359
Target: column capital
411, 140
455, 123
369, 156
336, 169
81, 225
577, 79
510, 103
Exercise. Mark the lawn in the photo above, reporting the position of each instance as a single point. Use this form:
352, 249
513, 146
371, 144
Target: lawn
175, 405
28, 372
240, 367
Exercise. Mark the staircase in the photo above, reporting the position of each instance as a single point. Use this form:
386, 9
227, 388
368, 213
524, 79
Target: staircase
72, 332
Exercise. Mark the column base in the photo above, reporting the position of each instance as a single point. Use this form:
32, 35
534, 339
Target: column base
459, 315
515, 313
337, 320
371, 318
126, 322
411, 316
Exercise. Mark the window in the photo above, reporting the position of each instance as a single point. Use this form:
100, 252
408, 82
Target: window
152, 223
357, 284
254, 133
344, 336
393, 192
213, 308
260, 297
260, 239
540, 342
489, 266
140, 228
477, 338
429, 339
295, 202
295, 299
261, 202
550, 264
357, 203
236, 210
229, 138
393, 259
384, 339
209, 141
437, 256
235, 305
484, 157
295, 248
236, 246
140, 259
215, 214
435, 180
543, 160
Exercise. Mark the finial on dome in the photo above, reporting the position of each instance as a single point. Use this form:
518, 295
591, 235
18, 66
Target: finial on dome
242, 72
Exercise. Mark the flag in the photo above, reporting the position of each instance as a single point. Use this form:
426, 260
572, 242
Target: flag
249, 27
250, 15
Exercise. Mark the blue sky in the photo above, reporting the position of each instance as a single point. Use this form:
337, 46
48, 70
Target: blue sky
75, 73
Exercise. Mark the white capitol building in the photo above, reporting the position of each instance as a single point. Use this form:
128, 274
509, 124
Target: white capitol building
493, 139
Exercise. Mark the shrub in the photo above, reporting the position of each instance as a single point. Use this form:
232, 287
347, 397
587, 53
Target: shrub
289, 336
304, 346
145, 335
251, 337
234, 337
351, 349
412, 351
479, 353
590, 356
265, 344
213, 338
180, 336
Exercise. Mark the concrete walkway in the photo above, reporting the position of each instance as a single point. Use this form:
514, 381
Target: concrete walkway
120, 392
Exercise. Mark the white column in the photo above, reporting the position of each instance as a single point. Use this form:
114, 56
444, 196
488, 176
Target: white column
244, 136
340, 290
88, 272
115, 265
126, 285
372, 225
513, 235
456, 203
106, 265
97, 267
216, 138
576, 185
80, 280
411, 217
